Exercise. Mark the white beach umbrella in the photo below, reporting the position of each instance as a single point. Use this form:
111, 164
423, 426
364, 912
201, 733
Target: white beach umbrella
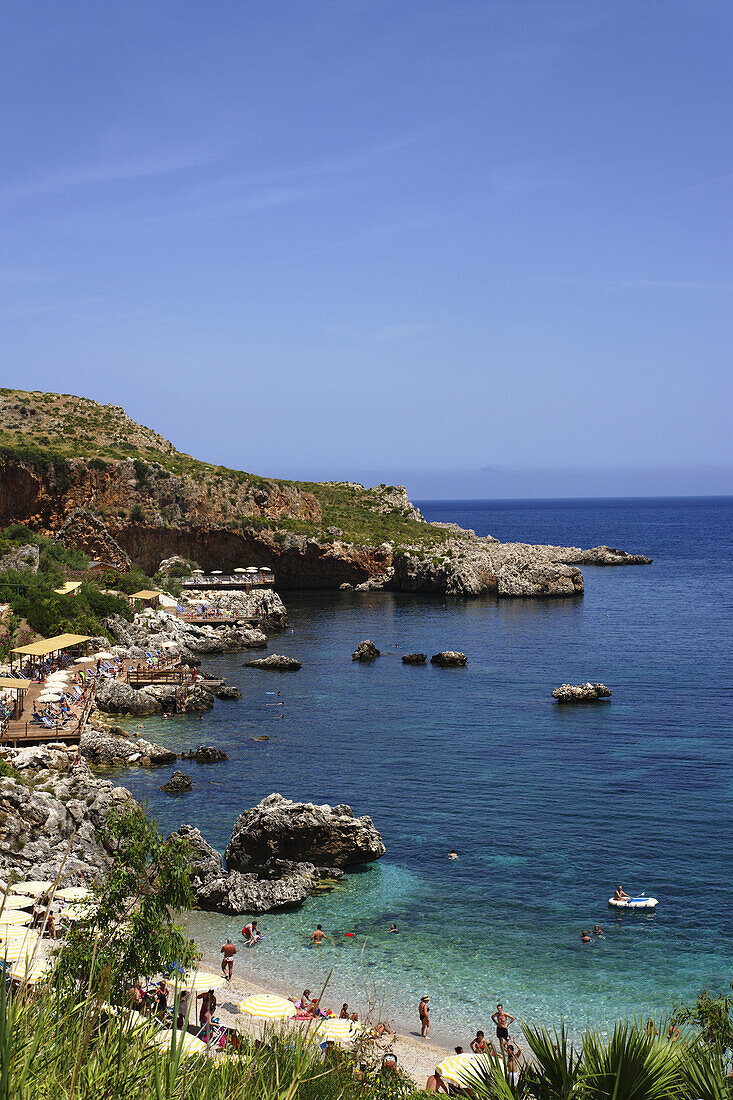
49, 696
267, 1006
103, 655
239, 569
216, 572
456, 1068
252, 569
58, 677
31, 886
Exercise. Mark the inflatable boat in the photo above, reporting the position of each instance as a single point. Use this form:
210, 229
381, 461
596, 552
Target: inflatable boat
642, 902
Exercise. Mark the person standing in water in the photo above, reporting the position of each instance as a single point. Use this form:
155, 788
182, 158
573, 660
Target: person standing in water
502, 1020
318, 936
228, 951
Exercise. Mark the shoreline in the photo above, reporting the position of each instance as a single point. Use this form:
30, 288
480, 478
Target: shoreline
417, 1057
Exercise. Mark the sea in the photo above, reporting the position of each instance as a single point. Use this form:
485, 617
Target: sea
549, 807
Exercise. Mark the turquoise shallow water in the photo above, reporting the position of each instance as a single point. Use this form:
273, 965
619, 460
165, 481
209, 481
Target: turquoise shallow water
549, 807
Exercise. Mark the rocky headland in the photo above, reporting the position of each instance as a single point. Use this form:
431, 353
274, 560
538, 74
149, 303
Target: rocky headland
123, 493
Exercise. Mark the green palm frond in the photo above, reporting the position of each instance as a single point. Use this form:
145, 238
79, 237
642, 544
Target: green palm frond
554, 1071
628, 1064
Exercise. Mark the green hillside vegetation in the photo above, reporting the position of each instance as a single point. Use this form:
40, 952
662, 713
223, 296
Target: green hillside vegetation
35, 608
53, 428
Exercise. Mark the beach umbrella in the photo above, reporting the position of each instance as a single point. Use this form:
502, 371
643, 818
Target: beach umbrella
49, 696
19, 951
216, 572
17, 901
15, 916
338, 1029
190, 1044
18, 937
31, 886
455, 1068
267, 1006
252, 569
31, 972
202, 979
58, 677
103, 655
240, 570
74, 893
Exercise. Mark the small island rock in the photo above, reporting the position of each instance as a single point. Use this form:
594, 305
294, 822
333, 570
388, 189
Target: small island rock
276, 662
449, 658
414, 658
228, 693
581, 693
205, 754
365, 651
177, 783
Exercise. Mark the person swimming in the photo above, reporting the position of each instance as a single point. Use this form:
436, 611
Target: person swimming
453, 854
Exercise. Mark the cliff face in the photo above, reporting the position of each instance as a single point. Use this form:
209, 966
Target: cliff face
64, 472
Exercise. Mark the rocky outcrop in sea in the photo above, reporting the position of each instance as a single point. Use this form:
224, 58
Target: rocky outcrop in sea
449, 658
276, 662
279, 852
581, 693
365, 651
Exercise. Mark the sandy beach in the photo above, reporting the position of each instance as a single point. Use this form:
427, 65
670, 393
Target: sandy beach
417, 1057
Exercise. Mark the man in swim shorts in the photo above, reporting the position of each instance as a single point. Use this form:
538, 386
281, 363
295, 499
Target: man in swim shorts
502, 1020
620, 895
423, 1011
513, 1053
228, 951
318, 936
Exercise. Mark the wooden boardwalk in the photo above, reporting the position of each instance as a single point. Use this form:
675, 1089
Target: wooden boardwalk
22, 731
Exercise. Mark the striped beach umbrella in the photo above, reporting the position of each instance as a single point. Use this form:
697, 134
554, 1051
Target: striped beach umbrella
190, 1044
20, 950
74, 893
267, 1006
201, 979
456, 1068
342, 1030
31, 887
17, 901
31, 972
14, 916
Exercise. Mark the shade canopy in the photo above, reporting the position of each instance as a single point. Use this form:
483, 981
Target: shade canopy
338, 1029
252, 569
67, 588
202, 979
239, 569
267, 1006
31, 886
216, 572
17, 901
74, 893
103, 655
31, 972
190, 1044
14, 916
145, 594
458, 1068
49, 696
19, 951
14, 685
52, 645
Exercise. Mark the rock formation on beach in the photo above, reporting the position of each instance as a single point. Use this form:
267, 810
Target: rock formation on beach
124, 493
581, 693
278, 854
365, 651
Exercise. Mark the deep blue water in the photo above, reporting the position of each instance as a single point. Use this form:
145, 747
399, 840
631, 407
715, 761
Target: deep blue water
549, 807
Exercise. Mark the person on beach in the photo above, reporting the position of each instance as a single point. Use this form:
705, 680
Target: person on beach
137, 996
228, 951
478, 1045
435, 1083
161, 999
502, 1020
621, 895
51, 925
597, 930
423, 1011
512, 1054
344, 1013
584, 936
304, 1001
318, 936
184, 1000
208, 1006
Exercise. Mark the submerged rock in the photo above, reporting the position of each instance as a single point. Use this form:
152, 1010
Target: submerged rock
228, 693
581, 693
414, 658
449, 658
177, 783
276, 662
365, 651
205, 754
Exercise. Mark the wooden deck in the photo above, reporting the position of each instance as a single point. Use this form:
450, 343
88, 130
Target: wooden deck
21, 731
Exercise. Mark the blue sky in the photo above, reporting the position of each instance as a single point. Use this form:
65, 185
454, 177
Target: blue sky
483, 248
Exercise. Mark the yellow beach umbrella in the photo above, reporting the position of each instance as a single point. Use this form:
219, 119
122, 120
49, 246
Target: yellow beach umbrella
18, 932
456, 1068
14, 916
191, 1044
31, 887
31, 972
266, 1006
20, 950
74, 893
202, 979
338, 1029
17, 901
